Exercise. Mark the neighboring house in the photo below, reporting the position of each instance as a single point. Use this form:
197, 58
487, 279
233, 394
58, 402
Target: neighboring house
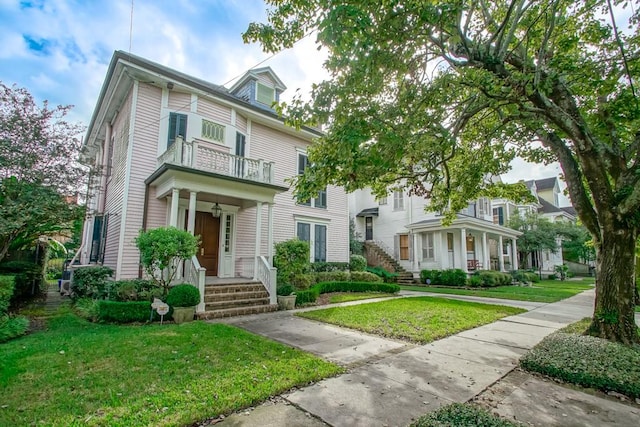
170, 149
400, 235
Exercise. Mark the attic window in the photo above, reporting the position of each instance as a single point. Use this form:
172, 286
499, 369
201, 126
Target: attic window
265, 94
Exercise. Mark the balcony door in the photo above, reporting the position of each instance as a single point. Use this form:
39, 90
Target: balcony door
208, 228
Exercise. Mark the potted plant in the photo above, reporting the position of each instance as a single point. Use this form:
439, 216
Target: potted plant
183, 298
286, 297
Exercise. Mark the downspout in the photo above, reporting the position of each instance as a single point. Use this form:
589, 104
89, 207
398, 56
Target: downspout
145, 210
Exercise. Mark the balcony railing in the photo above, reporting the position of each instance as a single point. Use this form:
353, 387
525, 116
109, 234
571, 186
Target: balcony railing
198, 156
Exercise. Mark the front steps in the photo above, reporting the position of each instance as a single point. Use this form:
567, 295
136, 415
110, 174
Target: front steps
235, 299
376, 255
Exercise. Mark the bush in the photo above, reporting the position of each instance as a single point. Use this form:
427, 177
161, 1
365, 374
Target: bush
90, 282
449, 277
387, 276
18, 266
284, 290
307, 297
587, 361
475, 281
303, 281
183, 295
133, 290
310, 295
462, 415
357, 263
552, 277
6, 292
492, 278
123, 312
329, 276
533, 277
54, 268
365, 276
319, 267
291, 258
12, 327
87, 308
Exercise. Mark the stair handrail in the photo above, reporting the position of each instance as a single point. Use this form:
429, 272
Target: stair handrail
196, 275
267, 275
382, 245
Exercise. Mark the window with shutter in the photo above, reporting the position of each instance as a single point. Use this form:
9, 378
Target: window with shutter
317, 202
177, 127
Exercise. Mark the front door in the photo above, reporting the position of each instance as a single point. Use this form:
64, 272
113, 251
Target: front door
208, 228
368, 228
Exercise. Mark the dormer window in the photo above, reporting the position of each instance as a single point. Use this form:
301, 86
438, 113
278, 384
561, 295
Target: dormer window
265, 94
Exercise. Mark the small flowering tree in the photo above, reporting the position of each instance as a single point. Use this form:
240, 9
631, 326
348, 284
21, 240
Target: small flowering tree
161, 251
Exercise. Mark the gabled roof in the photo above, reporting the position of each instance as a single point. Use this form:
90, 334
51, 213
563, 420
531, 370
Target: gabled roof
254, 75
547, 207
546, 183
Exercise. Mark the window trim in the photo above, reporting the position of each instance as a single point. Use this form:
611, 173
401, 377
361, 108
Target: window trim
429, 237
314, 202
271, 88
313, 223
398, 200
170, 140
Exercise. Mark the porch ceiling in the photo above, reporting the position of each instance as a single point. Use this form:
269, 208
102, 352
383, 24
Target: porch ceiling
168, 177
469, 223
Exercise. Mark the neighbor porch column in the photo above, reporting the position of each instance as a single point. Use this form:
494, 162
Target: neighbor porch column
485, 252
463, 252
270, 233
514, 256
258, 239
500, 254
416, 255
191, 219
175, 199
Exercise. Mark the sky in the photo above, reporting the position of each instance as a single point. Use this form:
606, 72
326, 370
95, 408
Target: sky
60, 49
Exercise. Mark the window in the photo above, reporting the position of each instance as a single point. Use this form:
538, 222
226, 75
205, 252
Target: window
265, 94
498, 216
316, 235
241, 146
382, 200
398, 201
427, 247
483, 206
177, 127
227, 233
321, 200
99, 237
212, 131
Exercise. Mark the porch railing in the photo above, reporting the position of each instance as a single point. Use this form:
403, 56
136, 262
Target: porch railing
195, 155
267, 275
195, 274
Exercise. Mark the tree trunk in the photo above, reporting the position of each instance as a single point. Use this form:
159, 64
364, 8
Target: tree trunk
614, 313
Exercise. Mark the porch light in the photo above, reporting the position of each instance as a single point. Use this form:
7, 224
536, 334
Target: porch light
216, 210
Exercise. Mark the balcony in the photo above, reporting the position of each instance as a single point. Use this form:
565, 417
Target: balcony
200, 156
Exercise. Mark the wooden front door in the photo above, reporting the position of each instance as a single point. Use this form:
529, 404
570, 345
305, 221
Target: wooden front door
208, 228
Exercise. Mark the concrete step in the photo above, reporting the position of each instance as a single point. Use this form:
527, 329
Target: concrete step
237, 303
236, 311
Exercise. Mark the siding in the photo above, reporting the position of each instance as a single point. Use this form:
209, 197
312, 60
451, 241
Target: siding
213, 111
178, 101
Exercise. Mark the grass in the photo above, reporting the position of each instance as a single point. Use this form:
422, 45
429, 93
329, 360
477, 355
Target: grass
462, 415
352, 296
419, 319
80, 373
544, 291
586, 361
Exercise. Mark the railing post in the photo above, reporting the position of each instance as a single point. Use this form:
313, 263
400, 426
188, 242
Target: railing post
272, 285
201, 278
177, 153
271, 180
260, 170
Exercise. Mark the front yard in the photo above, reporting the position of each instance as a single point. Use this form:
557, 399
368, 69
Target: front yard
419, 319
80, 373
543, 291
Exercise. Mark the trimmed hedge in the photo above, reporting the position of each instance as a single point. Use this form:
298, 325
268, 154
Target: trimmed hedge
123, 312
303, 281
330, 276
462, 415
449, 277
311, 294
321, 267
365, 276
490, 278
183, 295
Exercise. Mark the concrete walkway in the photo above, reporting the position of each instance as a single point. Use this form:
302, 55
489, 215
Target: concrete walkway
392, 383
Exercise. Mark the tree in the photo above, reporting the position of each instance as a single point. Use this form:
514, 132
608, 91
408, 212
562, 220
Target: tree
578, 244
38, 167
538, 234
162, 250
436, 96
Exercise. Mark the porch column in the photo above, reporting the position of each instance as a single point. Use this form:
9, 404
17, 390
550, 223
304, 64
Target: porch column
270, 233
514, 254
463, 252
416, 254
191, 219
500, 254
258, 239
173, 216
485, 252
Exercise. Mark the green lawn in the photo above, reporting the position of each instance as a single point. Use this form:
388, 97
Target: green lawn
355, 296
80, 373
419, 319
544, 291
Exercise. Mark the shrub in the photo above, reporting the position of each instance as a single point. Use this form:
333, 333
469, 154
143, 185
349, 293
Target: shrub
328, 276
357, 263
387, 276
552, 277
462, 415
12, 327
562, 271
17, 266
587, 361
449, 277
291, 258
475, 281
162, 250
87, 308
431, 277
284, 290
123, 312
90, 282
27, 284
183, 295
6, 291
319, 267
54, 268
532, 277
492, 278
133, 290
303, 281
365, 276
310, 295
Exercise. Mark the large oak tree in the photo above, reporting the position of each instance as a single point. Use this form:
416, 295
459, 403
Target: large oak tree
436, 96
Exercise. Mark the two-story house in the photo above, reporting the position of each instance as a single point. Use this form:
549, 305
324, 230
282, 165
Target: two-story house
168, 149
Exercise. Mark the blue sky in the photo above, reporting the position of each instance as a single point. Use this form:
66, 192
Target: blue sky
60, 49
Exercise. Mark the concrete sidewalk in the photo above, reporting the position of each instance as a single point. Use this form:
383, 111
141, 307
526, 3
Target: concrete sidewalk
392, 383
